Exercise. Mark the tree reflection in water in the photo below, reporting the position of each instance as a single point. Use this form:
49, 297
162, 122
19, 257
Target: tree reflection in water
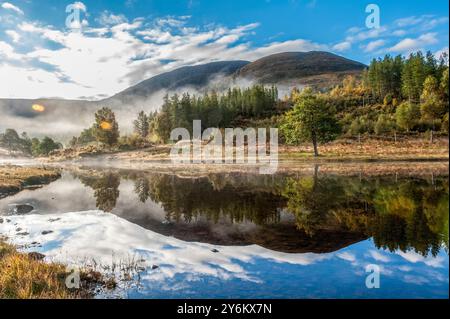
405, 214
106, 189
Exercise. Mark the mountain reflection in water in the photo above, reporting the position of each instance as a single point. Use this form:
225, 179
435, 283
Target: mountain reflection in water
287, 213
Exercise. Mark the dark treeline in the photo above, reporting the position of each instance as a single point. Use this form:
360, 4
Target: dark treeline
400, 78
23, 144
213, 109
402, 214
393, 95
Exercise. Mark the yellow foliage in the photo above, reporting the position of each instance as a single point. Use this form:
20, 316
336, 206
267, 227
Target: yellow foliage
21, 277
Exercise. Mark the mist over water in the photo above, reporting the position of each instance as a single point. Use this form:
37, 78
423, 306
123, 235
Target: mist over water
63, 119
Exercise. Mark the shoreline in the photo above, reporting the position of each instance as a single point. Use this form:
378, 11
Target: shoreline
344, 150
14, 178
292, 167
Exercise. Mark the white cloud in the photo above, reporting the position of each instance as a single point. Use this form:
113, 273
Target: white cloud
354, 30
277, 47
408, 21
103, 236
79, 5
343, 46
15, 37
10, 6
107, 18
171, 21
442, 51
347, 256
373, 45
366, 34
423, 23
7, 52
418, 27
413, 44
102, 61
399, 33
413, 257
379, 257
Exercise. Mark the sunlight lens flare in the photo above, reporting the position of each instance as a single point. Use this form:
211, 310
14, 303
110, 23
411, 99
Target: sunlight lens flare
105, 126
38, 108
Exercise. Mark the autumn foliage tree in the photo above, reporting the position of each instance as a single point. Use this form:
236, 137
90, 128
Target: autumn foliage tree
312, 119
142, 125
106, 128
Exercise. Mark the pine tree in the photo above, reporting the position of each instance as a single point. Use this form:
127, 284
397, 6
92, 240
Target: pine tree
106, 128
142, 125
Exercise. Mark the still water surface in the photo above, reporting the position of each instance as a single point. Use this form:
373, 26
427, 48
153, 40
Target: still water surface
250, 236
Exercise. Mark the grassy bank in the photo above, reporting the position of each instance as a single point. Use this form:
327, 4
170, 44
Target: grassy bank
23, 276
364, 149
13, 179
372, 149
27, 276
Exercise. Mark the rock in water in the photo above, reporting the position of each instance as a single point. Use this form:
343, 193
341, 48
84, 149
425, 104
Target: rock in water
36, 256
23, 209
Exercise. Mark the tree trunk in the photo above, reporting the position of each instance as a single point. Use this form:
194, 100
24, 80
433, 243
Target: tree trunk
316, 174
314, 141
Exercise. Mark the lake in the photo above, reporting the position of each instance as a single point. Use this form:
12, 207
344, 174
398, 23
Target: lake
243, 235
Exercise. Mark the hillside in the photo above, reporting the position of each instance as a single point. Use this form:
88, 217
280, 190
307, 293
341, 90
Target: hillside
193, 77
66, 118
313, 68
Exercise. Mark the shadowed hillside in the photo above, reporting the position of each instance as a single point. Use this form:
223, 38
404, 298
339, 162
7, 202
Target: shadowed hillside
310, 68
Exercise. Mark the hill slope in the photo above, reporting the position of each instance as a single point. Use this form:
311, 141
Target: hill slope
299, 66
190, 76
65, 118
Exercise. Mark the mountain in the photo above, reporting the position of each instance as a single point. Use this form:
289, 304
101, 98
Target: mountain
315, 68
194, 77
65, 118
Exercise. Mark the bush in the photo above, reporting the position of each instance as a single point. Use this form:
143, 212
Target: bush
361, 125
388, 99
444, 124
384, 125
134, 141
407, 115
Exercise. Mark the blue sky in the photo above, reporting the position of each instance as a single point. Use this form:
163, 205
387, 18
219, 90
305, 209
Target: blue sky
124, 42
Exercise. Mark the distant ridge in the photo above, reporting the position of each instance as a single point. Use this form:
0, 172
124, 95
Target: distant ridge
290, 66
318, 69
196, 76
315, 68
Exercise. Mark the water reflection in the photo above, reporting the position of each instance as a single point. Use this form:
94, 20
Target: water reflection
317, 232
106, 189
306, 213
